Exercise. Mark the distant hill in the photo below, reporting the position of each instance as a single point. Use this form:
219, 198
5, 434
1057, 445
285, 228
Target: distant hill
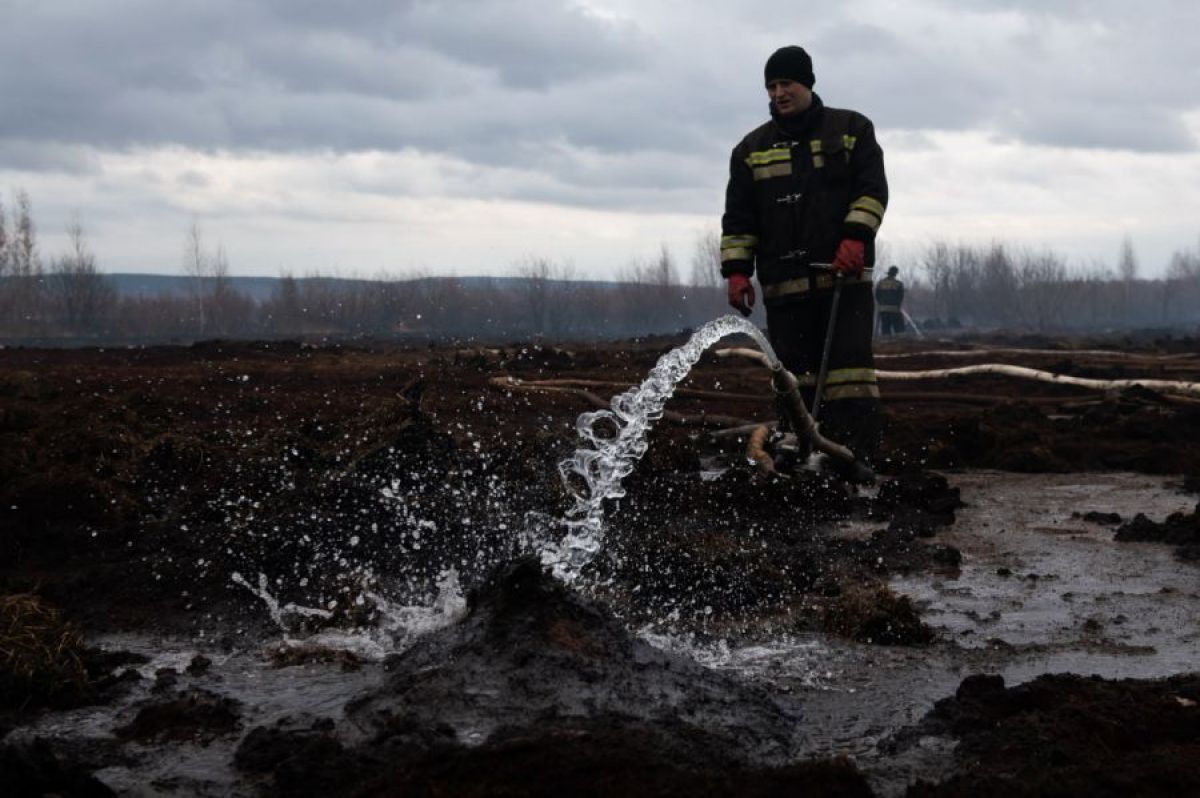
262, 288
152, 285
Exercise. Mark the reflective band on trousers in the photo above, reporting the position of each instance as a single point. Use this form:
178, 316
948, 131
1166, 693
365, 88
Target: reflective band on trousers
802, 285
889, 308
845, 384
859, 391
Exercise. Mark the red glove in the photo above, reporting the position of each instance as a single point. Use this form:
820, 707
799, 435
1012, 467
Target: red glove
741, 293
851, 258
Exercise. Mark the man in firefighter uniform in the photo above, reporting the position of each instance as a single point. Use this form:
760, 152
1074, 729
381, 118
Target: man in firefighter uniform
889, 297
806, 195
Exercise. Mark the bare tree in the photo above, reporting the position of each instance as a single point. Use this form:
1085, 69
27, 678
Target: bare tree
285, 313
221, 300
82, 297
535, 273
651, 291
5, 242
665, 273
1127, 270
7, 284
706, 260
1127, 264
998, 294
1181, 288
939, 270
220, 308
24, 254
25, 283
1044, 289
195, 267
883, 255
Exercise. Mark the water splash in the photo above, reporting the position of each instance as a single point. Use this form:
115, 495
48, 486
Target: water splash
616, 439
431, 534
280, 613
395, 628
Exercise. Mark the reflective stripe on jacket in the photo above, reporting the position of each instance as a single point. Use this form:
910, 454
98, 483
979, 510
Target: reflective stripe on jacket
792, 197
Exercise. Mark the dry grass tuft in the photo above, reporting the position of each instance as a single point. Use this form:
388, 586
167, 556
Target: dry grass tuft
876, 614
40, 655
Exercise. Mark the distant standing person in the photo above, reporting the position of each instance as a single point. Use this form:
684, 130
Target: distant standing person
889, 297
806, 195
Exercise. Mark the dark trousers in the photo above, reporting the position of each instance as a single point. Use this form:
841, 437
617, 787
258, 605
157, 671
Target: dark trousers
890, 322
850, 411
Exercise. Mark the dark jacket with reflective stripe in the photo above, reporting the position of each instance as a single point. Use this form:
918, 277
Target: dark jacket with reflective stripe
797, 187
889, 294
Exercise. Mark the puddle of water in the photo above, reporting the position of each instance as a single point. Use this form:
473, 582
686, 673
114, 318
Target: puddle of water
267, 694
1059, 589
1096, 606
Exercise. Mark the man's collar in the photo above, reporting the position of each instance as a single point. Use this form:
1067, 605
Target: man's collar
798, 125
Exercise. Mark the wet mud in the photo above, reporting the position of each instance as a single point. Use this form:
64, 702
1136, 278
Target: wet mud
135, 483
1181, 530
1061, 735
538, 691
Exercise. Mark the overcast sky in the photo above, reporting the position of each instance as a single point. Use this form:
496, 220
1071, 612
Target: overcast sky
460, 136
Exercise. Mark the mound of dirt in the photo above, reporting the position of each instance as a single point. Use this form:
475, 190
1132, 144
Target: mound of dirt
189, 715
581, 757
540, 692
532, 652
1181, 530
1066, 735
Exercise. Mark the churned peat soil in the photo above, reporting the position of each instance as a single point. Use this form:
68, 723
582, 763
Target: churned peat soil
280, 568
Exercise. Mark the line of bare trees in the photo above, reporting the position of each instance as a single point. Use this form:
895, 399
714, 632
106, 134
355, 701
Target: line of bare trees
1002, 286
69, 294
69, 299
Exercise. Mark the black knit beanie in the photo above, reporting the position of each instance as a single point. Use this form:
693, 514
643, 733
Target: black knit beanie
790, 63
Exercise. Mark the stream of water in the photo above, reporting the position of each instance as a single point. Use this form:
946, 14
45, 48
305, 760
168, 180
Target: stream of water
614, 440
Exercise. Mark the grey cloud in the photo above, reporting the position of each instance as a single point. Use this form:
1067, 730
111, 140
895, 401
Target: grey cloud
1066, 78
319, 63
538, 86
899, 83
1094, 127
36, 156
531, 44
193, 178
167, 55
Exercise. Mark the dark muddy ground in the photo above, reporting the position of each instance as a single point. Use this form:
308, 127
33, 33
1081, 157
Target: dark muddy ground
135, 482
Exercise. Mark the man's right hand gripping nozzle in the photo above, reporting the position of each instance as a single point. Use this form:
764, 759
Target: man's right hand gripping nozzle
741, 293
